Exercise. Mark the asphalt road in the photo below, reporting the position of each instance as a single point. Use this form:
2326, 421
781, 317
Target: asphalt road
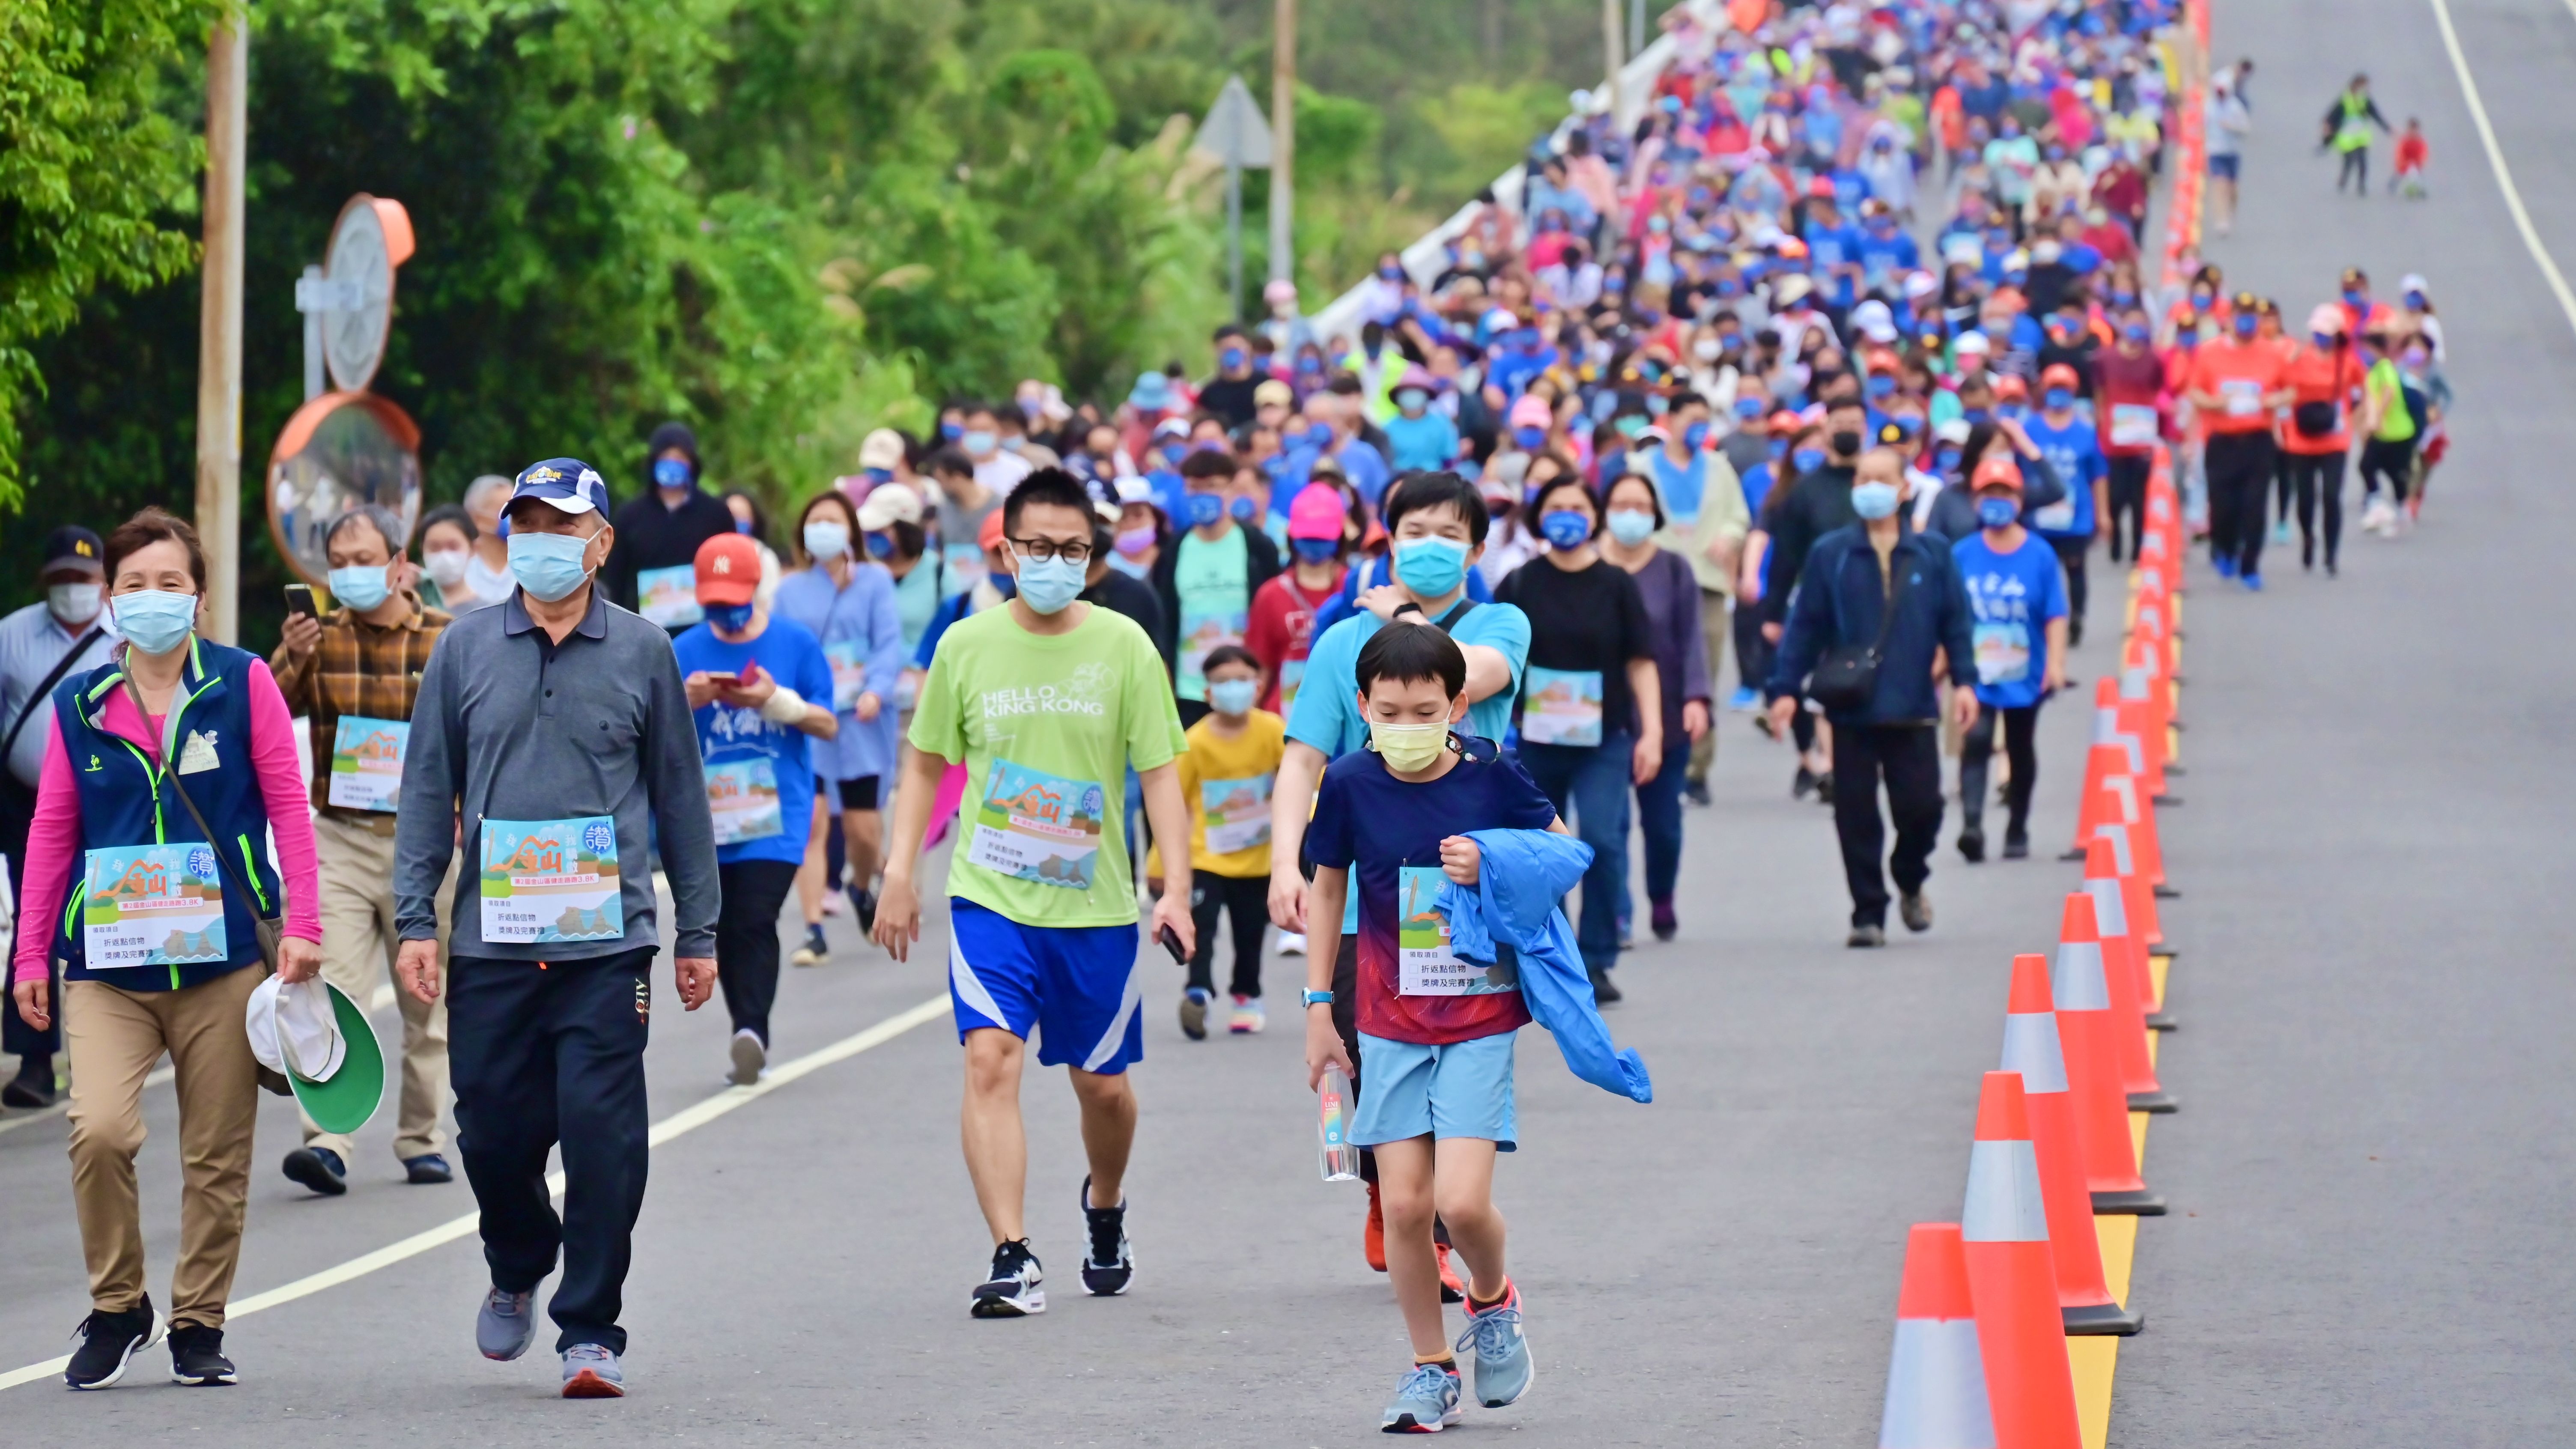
2374, 1006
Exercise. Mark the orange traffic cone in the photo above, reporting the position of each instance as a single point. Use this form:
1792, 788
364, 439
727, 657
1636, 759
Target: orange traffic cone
2030, 1385
2084, 1300
2122, 965
2111, 897
2138, 900
2134, 720
1936, 1382
2120, 805
2085, 1027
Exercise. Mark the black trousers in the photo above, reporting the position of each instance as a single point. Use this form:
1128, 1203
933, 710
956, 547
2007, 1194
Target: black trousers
1247, 900
2392, 461
2128, 490
548, 1054
747, 939
17, 813
2355, 169
2240, 470
1908, 757
1976, 757
2319, 477
2070, 557
1752, 651
2285, 493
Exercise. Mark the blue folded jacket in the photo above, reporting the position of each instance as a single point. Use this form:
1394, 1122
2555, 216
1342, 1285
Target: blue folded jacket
1525, 874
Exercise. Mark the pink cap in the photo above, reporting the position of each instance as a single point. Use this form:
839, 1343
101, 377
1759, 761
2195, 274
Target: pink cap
1531, 412
1316, 512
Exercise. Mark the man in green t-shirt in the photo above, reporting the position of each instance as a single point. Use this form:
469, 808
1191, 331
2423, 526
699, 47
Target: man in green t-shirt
1208, 575
1047, 703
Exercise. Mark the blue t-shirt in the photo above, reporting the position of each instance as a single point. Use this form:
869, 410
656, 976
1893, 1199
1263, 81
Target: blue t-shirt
2075, 451
2011, 598
1326, 714
1834, 246
1683, 487
1756, 483
1387, 833
749, 760
1428, 441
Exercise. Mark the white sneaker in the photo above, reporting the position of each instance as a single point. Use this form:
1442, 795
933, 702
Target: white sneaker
749, 1057
1292, 943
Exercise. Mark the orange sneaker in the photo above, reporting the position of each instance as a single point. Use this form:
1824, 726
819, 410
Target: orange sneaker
1373, 1237
1451, 1290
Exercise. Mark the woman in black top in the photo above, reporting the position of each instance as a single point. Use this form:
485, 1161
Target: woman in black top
1592, 714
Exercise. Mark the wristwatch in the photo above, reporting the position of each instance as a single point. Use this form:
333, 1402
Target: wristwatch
1319, 998
1408, 606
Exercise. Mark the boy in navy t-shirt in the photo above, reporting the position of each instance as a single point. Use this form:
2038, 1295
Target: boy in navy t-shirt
1436, 1033
2017, 624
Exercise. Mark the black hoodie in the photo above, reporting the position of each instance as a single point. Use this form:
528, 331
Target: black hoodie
653, 535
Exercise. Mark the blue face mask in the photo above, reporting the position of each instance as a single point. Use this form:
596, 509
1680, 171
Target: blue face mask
1316, 550
1244, 509
1997, 512
1050, 583
731, 618
548, 565
1873, 500
826, 540
877, 475
2134, 332
2323, 339
951, 432
1232, 696
2245, 325
1529, 439
1631, 526
1974, 415
1206, 508
979, 442
1947, 460
1748, 407
1564, 528
360, 588
1412, 399
1881, 384
155, 621
2057, 399
742, 526
1431, 567
2009, 412
1320, 435
672, 473
1779, 447
1695, 436
1230, 359
880, 545
1807, 460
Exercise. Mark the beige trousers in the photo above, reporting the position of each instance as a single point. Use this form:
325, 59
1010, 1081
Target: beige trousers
359, 941
115, 1038
1715, 628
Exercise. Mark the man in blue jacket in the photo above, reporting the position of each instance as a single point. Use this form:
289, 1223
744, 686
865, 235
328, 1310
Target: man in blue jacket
1853, 577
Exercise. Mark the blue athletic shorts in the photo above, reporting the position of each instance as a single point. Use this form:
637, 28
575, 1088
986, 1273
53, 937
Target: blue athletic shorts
2223, 167
1076, 985
1409, 1090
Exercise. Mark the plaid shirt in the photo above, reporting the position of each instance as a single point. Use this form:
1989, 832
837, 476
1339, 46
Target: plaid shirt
356, 669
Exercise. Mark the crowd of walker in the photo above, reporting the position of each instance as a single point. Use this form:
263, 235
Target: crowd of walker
1467, 575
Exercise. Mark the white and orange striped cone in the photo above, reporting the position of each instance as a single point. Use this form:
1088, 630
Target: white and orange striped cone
2122, 968
2030, 1383
2084, 1300
2125, 757
2086, 1028
2118, 802
2146, 924
2111, 897
2135, 719
1936, 1382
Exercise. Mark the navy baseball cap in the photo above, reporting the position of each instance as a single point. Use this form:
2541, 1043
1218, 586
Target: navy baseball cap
74, 549
568, 483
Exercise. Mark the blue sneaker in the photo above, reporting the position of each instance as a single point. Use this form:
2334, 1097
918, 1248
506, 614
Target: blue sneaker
506, 1325
1745, 700
2253, 583
590, 1371
2225, 564
1426, 1401
1503, 1365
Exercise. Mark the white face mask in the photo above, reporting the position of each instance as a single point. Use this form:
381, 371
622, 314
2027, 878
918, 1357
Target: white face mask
446, 565
73, 604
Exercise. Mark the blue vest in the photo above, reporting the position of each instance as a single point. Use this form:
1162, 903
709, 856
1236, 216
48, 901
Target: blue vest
125, 801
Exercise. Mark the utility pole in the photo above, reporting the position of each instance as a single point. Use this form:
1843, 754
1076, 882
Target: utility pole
1636, 26
1283, 144
1610, 52
219, 337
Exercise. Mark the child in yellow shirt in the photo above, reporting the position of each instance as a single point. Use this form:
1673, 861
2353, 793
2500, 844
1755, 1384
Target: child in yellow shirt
1234, 754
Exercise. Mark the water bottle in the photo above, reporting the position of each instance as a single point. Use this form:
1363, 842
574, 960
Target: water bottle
1341, 1160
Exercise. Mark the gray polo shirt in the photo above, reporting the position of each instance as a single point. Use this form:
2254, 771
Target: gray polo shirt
513, 727
32, 642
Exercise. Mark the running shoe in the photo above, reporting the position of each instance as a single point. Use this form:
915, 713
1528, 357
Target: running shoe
1972, 845
1825, 788
1292, 943
2281, 532
197, 1357
30, 1089
2074, 631
1745, 700
1011, 1290
318, 1168
750, 1055
591, 1371
1194, 1009
864, 901
2016, 846
2253, 583
833, 905
1109, 1266
1604, 991
814, 950
1801, 783
1665, 923
1451, 1289
505, 1325
430, 1169
2225, 564
1248, 1016
1696, 792
1915, 909
1866, 937
1503, 1366
108, 1342
1373, 1234
1426, 1400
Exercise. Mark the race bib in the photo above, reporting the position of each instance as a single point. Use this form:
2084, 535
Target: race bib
1237, 813
669, 597
1203, 632
1038, 827
742, 796
551, 880
367, 762
1425, 965
2244, 397
2133, 425
1564, 707
152, 905
2055, 518
2003, 652
849, 674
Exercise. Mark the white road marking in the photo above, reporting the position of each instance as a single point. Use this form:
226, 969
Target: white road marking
687, 1119
2495, 159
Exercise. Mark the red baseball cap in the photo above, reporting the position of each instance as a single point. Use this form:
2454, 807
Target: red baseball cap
2009, 385
728, 569
990, 535
2058, 374
1997, 470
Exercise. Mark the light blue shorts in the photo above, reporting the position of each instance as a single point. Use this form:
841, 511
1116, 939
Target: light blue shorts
1409, 1090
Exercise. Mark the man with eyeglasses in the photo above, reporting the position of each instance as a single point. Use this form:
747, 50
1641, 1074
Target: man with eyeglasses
1047, 702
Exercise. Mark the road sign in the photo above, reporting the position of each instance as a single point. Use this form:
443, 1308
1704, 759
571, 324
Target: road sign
1234, 131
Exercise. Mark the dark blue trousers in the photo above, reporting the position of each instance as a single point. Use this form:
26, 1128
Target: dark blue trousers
548, 1054
1588, 784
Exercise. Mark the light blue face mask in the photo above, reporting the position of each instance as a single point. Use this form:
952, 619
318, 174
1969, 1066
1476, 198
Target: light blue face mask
1431, 567
360, 587
1631, 526
548, 565
1050, 583
155, 621
1873, 500
980, 442
826, 540
1232, 696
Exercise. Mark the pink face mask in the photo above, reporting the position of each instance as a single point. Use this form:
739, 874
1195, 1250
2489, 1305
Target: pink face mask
1133, 541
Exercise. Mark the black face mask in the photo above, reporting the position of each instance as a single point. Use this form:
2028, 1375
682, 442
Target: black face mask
1845, 444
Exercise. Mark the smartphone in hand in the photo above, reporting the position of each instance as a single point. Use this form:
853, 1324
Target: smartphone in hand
1171, 940
299, 600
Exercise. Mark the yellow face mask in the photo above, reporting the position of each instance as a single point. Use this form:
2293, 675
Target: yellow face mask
1409, 749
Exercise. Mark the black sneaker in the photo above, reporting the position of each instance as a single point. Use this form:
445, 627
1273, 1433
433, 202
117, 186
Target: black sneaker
197, 1357
32, 1087
318, 1168
1109, 1266
1011, 1290
1972, 845
108, 1342
1915, 908
864, 901
1866, 937
1696, 792
1801, 783
2016, 847
1825, 788
1604, 992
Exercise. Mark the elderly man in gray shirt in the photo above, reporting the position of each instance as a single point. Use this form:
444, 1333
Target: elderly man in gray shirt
558, 725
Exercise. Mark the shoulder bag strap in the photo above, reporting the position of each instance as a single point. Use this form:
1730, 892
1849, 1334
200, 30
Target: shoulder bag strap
61, 667
223, 862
